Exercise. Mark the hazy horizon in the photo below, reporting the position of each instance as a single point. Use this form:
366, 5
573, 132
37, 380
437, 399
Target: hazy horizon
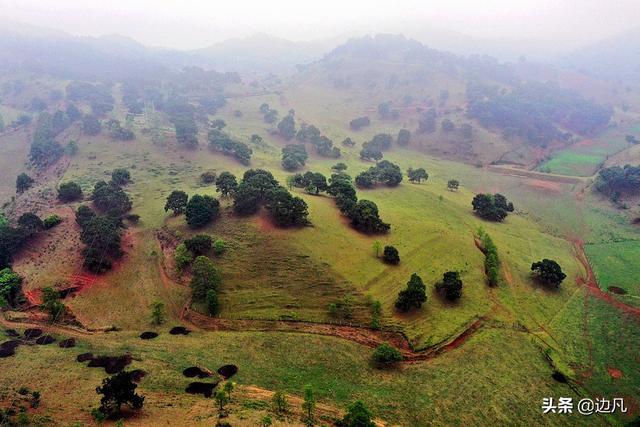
195, 23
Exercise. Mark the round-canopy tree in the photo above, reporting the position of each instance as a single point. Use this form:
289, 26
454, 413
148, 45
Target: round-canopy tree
548, 272
201, 210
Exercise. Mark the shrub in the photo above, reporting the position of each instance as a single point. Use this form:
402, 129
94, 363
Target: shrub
23, 182
69, 191
219, 247
450, 286
390, 255
386, 356
51, 221
199, 244
182, 257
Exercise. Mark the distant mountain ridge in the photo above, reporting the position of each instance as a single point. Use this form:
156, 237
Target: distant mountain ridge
616, 58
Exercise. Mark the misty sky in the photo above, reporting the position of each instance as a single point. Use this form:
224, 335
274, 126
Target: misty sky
197, 23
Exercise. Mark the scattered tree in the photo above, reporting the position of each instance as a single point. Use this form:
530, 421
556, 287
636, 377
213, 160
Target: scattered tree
157, 313
309, 406
386, 356
51, 303
453, 184
110, 198
116, 391
364, 217
287, 127
413, 296
390, 255
279, 403
404, 137
492, 207
177, 202
450, 286
182, 257
357, 416
548, 272
23, 182
417, 175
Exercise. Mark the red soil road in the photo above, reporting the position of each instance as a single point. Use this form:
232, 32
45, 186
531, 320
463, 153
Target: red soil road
363, 336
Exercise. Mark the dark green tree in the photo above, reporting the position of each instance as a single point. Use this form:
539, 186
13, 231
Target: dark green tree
23, 182
226, 184
548, 272
492, 207
358, 415
201, 210
386, 356
404, 137
390, 255
109, 197
29, 223
413, 296
69, 192
199, 244
177, 202
364, 217
285, 209
417, 175
116, 391
211, 301
120, 176
287, 127
450, 286
205, 276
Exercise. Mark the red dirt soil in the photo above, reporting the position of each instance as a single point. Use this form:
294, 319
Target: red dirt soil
614, 373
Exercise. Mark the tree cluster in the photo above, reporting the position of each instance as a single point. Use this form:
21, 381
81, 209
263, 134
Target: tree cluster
270, 115
363, 214
372, 150
294, 156
616, 181
110, 198
101, 235
259, 187
417, 175
384, 172
536, 111
491, 260
222, 142
323, 145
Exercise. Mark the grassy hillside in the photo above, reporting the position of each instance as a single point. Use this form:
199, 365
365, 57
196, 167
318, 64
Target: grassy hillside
488, 357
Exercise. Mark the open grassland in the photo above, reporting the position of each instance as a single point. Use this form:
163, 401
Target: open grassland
584, 158
616, 265
15, 149
503, 372
595, 339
